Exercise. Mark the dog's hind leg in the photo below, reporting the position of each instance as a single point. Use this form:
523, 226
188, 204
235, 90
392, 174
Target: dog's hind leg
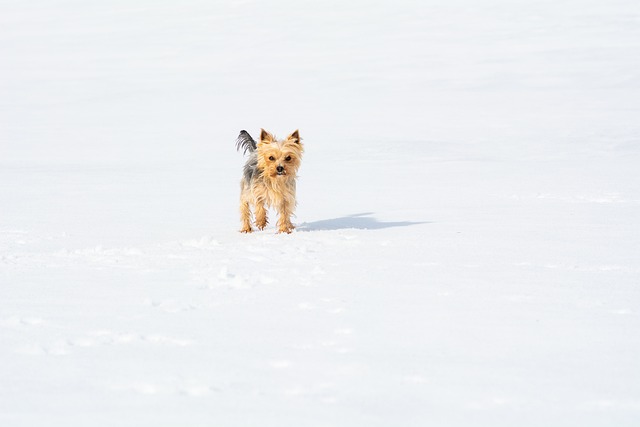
245, 216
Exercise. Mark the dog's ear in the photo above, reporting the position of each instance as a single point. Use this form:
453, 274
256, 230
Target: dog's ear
265, 137
295, 137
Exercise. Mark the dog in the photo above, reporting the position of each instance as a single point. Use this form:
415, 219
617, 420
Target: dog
269, 179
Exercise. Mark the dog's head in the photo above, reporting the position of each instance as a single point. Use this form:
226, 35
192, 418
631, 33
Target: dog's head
279, 158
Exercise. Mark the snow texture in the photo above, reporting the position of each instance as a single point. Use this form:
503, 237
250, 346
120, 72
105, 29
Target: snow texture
467, 245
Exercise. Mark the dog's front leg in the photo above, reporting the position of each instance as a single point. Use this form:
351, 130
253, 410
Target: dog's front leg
285, 212
261, 215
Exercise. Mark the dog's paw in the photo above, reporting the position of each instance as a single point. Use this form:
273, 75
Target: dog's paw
246, 230
286, 229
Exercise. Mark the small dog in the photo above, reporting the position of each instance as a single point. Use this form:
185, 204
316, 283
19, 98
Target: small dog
269, 178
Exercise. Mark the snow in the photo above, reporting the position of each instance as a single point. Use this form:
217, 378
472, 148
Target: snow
467, 247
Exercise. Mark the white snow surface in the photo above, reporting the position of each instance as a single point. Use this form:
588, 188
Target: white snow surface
467, 250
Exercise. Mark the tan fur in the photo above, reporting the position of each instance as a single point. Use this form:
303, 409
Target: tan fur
268, 188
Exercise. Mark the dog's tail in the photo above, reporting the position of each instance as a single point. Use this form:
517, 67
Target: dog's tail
245, 142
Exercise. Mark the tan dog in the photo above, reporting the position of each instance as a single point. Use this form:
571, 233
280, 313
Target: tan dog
269, 179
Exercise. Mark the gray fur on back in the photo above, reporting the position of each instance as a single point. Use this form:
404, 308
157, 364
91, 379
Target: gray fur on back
251, 168
248, 145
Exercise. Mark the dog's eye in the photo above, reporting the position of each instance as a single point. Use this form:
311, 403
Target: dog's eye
272, 158
288, 158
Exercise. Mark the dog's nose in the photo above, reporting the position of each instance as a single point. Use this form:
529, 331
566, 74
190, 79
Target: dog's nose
280, 168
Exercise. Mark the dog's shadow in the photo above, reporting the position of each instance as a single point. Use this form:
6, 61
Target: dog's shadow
361, 221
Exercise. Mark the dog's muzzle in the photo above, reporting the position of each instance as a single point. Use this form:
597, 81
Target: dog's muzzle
280, 170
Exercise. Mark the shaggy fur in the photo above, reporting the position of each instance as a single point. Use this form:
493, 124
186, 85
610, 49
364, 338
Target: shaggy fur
269, 179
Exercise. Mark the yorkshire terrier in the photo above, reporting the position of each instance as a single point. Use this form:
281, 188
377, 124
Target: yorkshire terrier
269, 179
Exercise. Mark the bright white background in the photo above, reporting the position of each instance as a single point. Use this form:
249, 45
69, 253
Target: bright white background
468, 242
